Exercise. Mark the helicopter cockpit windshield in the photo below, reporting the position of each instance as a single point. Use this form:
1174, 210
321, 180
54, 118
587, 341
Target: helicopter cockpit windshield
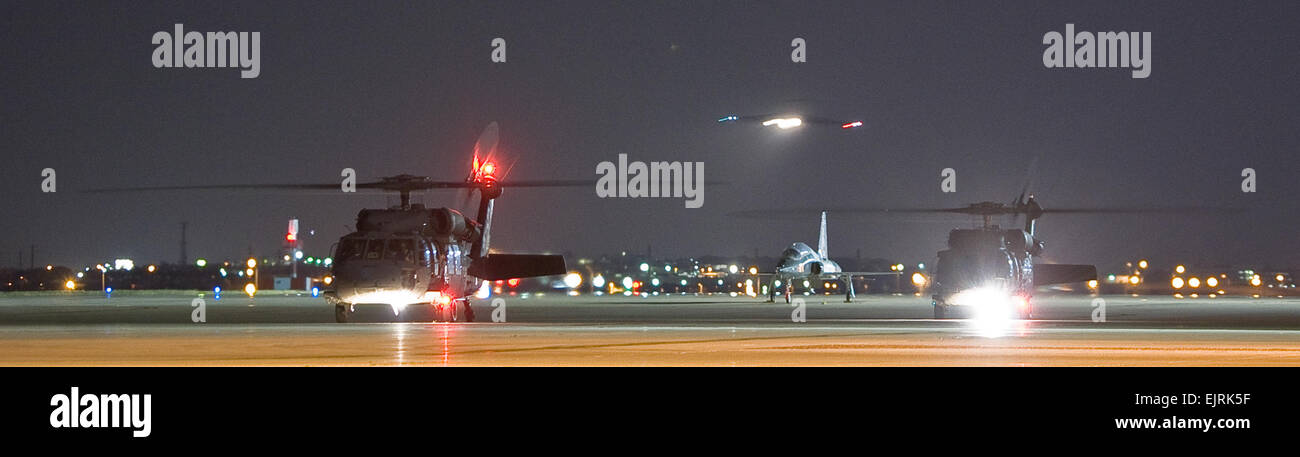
962, 270
401, 250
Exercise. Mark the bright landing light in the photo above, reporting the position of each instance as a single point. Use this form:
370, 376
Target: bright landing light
784, 122
992, 310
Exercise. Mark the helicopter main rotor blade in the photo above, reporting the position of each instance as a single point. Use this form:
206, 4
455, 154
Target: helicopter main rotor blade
1145, 210
393, 186
219, 187
977, 210
803, 213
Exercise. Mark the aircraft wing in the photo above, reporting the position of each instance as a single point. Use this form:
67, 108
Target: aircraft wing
859, 273
763, 277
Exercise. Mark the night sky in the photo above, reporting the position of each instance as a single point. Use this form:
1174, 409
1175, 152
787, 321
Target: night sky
389, 88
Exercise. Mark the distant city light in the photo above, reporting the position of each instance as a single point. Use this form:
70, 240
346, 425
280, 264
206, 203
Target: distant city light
70, 285
252, 263
598, 281
645, 267
1142, 264
1177, 282
918, 279
250, 289
201, 263
1180, 269
627, 282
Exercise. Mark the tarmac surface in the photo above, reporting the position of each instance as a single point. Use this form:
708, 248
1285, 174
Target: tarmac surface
156, 328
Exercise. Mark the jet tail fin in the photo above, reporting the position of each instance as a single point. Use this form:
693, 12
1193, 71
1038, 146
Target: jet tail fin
507, 266
821, 239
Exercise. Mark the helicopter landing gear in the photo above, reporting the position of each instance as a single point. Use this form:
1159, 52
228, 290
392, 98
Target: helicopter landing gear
940, 310
1025, 313
444, 313
453, 311
342, 312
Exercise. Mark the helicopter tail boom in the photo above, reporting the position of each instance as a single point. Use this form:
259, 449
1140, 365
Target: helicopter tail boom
1057, 273
506, 266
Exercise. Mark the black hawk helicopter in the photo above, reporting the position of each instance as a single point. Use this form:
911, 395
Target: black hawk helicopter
409, 255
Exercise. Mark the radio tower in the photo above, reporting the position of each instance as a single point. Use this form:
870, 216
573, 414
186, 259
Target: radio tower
184, 256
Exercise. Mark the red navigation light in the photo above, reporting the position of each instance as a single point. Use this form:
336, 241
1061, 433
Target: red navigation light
849, 125
513, 282
289, 237
500, 282
488, 170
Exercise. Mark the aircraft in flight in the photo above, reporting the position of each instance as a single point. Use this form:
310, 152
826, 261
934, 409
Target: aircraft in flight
789, 121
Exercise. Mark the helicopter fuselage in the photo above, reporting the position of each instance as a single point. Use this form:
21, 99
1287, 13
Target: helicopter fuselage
985, 265
400, 257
